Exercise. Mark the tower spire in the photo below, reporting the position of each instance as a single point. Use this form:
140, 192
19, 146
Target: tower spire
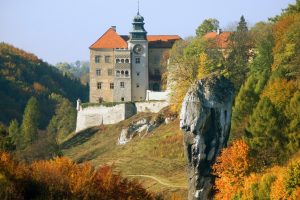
138, 7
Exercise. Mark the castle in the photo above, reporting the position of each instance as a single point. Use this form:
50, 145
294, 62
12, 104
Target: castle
124, 67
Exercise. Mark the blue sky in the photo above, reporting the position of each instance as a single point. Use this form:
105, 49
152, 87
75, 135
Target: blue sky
62, 30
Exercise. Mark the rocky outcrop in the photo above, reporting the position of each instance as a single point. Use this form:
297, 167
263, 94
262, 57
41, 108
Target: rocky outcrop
205, 120
139, 128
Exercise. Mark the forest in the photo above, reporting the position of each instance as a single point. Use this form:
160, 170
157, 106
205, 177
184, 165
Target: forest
262, 160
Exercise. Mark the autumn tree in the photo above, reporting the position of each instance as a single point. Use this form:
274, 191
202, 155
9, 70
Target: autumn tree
29, 127
182, 70
207, 25
230, 169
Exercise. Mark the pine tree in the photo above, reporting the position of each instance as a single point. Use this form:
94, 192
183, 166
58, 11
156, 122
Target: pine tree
265, 134
237, 62
14, 132
29, 127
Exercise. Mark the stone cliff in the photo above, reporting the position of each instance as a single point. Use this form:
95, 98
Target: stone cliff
205, 120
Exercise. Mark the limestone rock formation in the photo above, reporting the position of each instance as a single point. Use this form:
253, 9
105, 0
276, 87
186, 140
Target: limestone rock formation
205, 120
141, 128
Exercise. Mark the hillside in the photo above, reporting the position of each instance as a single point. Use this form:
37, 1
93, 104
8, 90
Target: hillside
23, 75
157, 160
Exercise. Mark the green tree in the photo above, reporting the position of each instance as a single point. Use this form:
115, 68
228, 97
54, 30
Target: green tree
239, 48
64, 120
260, 70
29, 127
14, 132
265, 133
207, 25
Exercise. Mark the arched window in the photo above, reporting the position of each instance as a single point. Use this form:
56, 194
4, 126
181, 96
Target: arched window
122, 61
117, 60
122, 73
118, 73
126, 60
126, 73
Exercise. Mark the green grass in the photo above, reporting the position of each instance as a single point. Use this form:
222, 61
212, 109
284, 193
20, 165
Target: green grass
160, 154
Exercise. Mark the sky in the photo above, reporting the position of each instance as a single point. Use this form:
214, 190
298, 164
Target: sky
62, 30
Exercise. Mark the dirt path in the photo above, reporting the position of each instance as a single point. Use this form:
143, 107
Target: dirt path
159, 181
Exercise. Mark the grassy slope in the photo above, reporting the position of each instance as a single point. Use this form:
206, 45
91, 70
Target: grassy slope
160, 154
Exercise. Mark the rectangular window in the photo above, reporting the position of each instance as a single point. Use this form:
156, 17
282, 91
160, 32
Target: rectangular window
107, 59
97, 59
98, 72
110, 72
122, 99
112, 86
137, 85
138, 73
137, 60
99, 85
122, 84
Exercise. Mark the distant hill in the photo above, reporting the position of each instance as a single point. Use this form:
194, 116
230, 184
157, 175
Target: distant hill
23, 75
78, 69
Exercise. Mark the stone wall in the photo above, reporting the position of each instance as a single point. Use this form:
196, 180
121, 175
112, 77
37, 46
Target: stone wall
153, 107
98, 115
157, 96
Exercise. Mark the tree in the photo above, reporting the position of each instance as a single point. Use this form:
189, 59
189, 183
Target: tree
239, 48
231, 168
62, 124
14, 132
29, 127
207, 25
264, 133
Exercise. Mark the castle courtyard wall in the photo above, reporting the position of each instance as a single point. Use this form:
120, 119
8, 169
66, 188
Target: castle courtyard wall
102, 115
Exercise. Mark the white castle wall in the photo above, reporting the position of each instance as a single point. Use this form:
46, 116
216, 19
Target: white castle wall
153, 107
157, 96
98, 115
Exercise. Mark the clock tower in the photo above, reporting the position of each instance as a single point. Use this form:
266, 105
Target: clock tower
138, 46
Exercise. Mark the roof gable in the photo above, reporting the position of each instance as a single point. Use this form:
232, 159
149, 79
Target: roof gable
109, 40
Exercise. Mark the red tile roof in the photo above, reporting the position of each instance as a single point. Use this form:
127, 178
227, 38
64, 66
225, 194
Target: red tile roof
164, 38
222, 39
110, 39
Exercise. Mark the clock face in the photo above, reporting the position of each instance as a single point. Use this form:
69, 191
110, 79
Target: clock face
138, 49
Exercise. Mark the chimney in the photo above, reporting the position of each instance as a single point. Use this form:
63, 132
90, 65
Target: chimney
115, 28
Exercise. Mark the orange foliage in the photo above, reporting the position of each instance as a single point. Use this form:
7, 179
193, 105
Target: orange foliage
249, 182
278, 190
38, 87
230, 169
61, 178
280, 91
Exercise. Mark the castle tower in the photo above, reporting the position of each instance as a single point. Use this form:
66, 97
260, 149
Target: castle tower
138, 45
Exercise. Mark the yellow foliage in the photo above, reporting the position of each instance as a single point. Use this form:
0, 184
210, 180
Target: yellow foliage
204, 62
280, 91
249, 182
